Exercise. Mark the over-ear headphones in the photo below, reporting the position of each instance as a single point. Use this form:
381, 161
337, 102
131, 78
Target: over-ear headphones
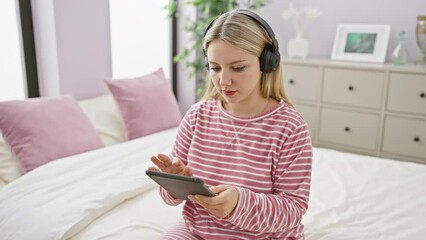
270, 57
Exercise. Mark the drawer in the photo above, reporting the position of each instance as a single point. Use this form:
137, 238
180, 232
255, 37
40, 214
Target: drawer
309, 113
349, 128
354, 87
405, 137
407, 93
302, 82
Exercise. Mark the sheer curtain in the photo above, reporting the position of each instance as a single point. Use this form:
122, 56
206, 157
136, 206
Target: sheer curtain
12, 84
140, 37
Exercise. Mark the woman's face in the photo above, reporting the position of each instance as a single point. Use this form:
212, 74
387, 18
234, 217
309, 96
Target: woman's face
235, 72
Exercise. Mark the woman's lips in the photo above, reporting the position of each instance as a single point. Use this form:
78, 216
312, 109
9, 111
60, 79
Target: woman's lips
229, 92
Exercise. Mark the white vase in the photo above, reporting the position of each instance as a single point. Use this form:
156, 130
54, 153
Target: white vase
298, 47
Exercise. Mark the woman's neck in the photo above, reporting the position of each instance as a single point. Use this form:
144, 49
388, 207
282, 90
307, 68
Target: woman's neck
256, 108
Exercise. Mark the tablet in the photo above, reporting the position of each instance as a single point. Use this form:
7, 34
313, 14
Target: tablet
180, 186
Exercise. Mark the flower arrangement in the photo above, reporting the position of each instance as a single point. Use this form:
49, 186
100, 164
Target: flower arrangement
307, 13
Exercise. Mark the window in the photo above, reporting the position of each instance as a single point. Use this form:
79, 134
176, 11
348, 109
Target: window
140, 37
12, 83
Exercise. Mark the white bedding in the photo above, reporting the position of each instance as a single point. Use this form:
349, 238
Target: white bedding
105, 194
60, 199
362, 197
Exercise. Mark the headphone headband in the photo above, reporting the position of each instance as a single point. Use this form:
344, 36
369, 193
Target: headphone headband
270, 57
262, 23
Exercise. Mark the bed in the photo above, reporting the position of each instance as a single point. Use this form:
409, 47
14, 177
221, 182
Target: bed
104, 193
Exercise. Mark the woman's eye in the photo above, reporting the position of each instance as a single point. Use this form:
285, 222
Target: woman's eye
214, 69
238, 69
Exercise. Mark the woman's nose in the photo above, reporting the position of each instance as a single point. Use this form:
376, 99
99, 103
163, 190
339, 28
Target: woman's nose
225, 78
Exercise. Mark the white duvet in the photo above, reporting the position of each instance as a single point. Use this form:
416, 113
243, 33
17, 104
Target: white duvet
63, 197
366, 198
105, 195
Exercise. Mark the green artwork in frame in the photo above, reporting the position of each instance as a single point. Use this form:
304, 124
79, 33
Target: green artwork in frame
360, 43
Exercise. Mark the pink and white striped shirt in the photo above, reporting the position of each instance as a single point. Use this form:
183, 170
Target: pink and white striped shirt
268, 158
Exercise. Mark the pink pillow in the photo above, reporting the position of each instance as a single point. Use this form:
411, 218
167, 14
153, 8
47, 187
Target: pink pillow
40, 130
146, 103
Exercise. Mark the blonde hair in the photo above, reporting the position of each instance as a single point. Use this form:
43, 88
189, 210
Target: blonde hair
245, 33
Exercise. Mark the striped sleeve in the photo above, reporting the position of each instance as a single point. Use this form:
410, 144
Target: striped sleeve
169, 199
285, 206
180, 150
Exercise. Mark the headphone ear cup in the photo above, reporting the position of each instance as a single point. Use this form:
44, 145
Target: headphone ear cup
269, 59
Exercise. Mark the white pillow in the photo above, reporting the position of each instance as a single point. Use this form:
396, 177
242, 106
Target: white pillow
9, 166
104, 115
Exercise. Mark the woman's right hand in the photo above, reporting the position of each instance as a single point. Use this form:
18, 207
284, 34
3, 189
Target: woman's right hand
163, 163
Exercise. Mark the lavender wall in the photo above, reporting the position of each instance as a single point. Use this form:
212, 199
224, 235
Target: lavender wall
400, 15
73, 46
83, 43
73, 38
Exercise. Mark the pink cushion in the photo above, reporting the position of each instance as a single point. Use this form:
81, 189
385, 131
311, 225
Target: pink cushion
146, 103
39, 130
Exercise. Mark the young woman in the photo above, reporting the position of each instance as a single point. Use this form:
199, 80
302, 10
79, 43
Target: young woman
244, 139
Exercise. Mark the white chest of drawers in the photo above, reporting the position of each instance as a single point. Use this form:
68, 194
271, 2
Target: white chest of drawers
375, 109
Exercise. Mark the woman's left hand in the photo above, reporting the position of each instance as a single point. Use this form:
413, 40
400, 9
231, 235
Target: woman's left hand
220, 205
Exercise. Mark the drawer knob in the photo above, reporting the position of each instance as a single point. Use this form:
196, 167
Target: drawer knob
347, 129
416, 139
291, 81
351, 88
422, 95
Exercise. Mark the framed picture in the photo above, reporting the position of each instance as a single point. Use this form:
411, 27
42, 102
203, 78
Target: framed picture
361, 42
